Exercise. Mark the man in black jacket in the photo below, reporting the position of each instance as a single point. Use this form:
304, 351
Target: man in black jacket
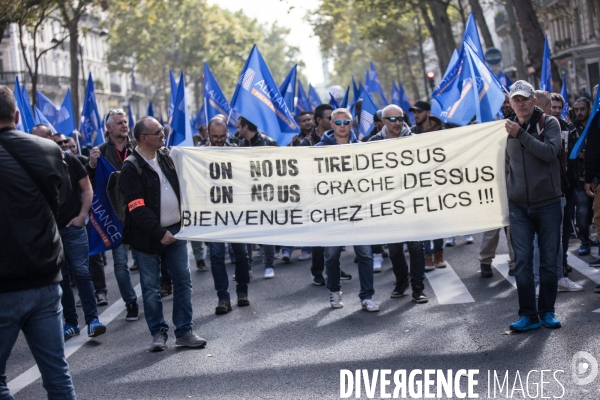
153, 218
31, 254
116, 149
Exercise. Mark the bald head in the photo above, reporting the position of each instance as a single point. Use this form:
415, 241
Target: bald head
392, 111
42, 131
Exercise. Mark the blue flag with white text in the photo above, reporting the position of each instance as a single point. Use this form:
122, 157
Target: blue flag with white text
375, 85
546, 77
90, 124
366, 114
288, 87
471, 37
40, 118
257, 99
105, 229
215, 102
47, 107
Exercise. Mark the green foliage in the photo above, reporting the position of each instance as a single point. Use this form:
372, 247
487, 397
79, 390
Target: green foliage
182, 34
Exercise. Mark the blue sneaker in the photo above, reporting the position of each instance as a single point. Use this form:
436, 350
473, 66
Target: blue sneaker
550, 321
524, 324
69, 331
584, 250
95, 328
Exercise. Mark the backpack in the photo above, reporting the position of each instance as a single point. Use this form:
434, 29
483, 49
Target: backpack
113, 189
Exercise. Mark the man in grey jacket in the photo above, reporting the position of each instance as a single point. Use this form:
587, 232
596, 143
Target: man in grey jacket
533, 188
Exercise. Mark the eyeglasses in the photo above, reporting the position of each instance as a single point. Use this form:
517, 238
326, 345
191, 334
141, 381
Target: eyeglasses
221, 138
158, 133
61, 142
113, 112
339, 122
394, 119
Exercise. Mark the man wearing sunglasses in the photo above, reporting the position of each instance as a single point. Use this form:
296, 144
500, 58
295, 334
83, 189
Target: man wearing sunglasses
341, 121
395, 127
115, 150
152, 219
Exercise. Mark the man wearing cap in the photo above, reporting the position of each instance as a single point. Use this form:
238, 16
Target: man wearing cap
534, 192
425, 122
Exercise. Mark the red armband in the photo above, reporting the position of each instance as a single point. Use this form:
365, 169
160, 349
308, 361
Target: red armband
135, 204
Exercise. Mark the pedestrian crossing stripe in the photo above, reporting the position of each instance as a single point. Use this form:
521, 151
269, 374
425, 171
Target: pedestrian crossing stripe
448, 287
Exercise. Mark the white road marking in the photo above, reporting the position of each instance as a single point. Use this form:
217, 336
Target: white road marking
583, 267
501, 264
71, 346
448, 287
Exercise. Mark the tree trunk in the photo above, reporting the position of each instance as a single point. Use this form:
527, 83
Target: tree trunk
532, 33
516, 38
483, 28
439, 11
440, 49
411, 76
74, 56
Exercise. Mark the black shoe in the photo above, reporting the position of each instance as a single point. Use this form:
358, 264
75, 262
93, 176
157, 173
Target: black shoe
134, 267
568, 268
486, 271
418, 296
344, 276
384, 254
243, 300
223, 307
132, 312
511, 272
318, 280
166, 289
400, 289
597, 289
595, 263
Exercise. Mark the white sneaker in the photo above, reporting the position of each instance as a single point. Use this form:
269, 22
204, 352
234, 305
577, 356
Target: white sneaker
369, 305
335, 299
305, 255
377, 260
269, 273
469, 239
567, 285
450, 241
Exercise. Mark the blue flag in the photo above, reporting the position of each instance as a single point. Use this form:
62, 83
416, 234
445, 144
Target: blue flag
23, 124
581, 141
105, 228
400, 99
40, 118
367, 84
172, 97
546, 77
302, 104
366, 114
563, 92
130, 118
181, 131
215, 102
345, 99
200, 118
90, 124
47, 108
333, 102
150, 112
27, 107
65, 119
469, 89
257, 99
355, 90
471, 37
375, 85
504, 80
313, 97
288, 87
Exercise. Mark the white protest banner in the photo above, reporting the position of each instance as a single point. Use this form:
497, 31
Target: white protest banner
426, 186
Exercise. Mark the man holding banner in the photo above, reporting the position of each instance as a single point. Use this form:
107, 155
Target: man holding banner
534, 192
341, 121
151, 192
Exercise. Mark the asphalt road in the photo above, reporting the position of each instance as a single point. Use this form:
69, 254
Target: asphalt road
290, 344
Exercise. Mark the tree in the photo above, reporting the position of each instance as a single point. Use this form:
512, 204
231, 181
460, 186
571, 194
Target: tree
31, 18
483, 28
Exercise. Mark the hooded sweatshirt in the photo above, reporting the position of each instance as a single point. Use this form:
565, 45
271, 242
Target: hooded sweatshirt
328, 139
383, 134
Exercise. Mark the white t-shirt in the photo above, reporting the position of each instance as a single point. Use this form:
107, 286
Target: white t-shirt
169, 205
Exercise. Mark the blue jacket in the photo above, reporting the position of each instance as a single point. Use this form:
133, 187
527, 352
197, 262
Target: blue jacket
328, 139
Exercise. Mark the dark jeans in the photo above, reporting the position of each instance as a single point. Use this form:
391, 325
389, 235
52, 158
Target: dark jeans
318, 260
36, 312
219, 271
583, 203
97, 273
75, 243
524, 224
569, 211
365, 269
376, 248
438, 245
417, 263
